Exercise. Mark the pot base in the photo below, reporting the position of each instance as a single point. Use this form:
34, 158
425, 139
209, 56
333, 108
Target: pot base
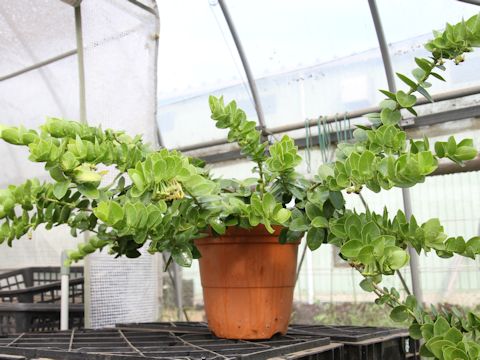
248, 313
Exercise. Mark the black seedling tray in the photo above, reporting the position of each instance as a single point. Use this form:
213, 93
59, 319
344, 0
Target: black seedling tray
23, 317
144, 344
366, 343
360, 342
39, 285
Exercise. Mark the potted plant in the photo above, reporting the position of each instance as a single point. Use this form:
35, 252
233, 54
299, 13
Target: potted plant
169, 202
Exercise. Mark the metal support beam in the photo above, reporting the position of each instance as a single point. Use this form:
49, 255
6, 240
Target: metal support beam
407, 202
473, 2
420, 121
25, 44
83, 119
144, 7
38, 65
155, 78
246, 66
81, 64
448, 95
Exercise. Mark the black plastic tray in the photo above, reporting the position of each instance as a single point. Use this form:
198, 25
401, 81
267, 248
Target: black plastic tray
23, 317
119, 344
39, 285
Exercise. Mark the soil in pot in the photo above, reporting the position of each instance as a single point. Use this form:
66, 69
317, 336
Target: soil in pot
248, 279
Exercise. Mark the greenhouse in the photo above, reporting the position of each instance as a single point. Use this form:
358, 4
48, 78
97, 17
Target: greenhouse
231, 179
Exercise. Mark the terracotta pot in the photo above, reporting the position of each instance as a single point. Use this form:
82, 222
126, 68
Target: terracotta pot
248, 279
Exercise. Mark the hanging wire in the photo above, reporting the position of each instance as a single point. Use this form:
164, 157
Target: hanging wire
307, 146
323, 137
321, 141
345, 128
230, 50
350, 130
338, 129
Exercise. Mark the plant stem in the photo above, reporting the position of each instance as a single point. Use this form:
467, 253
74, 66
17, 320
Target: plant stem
261, 180
404, 283
380, 292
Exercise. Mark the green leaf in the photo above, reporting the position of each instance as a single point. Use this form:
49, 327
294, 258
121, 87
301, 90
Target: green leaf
60, 189
370, 231
436, 346
453, 353
406, 100
427, 331
456, 245
337, 200
465, 153
282, 216
415, 331
438, 76
424, 64
218, 226
315, 238
365, 164
268, 203
474, 244
312, 210
419, 74
407, 81
425, 93
396, 258
367, 285
390, 117
389, 104
451, 146
388, 94
298, 224
441, 326
411, 302
110, 212
324, 171
440, 149
454, 335
320, 222
426, 162
399, 313
351, 248
365, 256
183, 256
88, 190
424, 352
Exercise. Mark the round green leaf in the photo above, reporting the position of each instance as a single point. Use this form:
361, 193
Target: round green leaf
351, 248
315, 238
365, 256
399, 313
367, 285
406, 100
390, 117
396, 257
320, 222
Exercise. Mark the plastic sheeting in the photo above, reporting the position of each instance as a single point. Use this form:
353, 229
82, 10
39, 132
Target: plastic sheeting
120, 72
328, 48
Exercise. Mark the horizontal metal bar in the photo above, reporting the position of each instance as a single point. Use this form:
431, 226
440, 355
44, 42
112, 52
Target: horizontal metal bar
39, 65
444, 116
452, 168
424, 120
448, 95
473, 2
143, 6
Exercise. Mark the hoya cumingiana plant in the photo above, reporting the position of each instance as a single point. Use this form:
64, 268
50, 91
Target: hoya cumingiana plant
163, 199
